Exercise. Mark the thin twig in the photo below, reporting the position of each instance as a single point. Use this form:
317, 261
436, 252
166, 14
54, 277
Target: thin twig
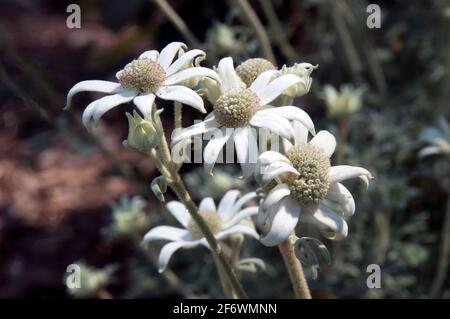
256, 24
178, 22
277, 29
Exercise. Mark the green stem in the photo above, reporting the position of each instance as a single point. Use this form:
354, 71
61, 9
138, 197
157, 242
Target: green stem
223, 280
178, 114
295, 270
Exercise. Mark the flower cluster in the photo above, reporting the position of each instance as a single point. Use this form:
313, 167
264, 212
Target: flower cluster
297, 183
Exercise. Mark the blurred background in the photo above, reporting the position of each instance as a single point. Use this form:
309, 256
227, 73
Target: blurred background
69, 196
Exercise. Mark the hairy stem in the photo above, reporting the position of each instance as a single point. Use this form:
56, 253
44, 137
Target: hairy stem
178, 114
178, 22
256, 24
444, 254
295, 270
227, 291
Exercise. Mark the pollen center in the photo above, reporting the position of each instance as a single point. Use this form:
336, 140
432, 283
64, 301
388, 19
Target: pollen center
249, 70
313, 164
142, 75
211, 218
236, 107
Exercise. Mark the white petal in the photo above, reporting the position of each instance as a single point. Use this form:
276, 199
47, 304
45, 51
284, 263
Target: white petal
276, 195
300, 133
181, 94
430, 150
244, 199
238, 229
340, 194
333, 225
282, 222
276, 169
145, 103
225, 209
213, 148
95, 86
180, 212
246, 149
191, 73
274, 123
228, 76
87, 113
106, 103
168, 250
207, 204
292, 113
169, 52
262, 80
184, 60
246, 212
277, 87
272, 156
325, 141
206, 126
166, 233
342, 172
150, 54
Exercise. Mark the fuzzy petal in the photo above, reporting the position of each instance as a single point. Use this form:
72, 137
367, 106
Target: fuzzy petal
180, 212
181, 94
244, 199
213, 148
342, 172
246, 212
262, 81
276, 169
94, 86
191, 73
150, 54
334, 227
207, 126
228, 76
166, 233
238, 229
169, 249
169, 52
277, 87
246, 149
282, 222
207, 204
274, 123
338, 193
184, 60
225, 209
292, 113
325, 141
276, 195
145, 103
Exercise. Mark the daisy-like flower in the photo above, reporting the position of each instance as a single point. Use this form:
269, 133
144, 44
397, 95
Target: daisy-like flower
300, 182
238, 108
152, 74
223, 221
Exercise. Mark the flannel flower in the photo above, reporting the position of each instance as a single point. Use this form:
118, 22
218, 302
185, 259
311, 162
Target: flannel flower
223, 221
152, 74
297, 185
238, 108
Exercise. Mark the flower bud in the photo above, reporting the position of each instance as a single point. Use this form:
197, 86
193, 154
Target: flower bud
91, 281
343, 102
129, 218
222, 38
141, 133
302, 70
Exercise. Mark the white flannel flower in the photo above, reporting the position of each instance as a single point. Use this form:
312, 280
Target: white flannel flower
152, 74
299, 183
237, 109
438, 139
223, 221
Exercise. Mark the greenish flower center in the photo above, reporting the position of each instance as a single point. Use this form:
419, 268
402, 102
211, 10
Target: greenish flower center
250, 69
313, 164
212, 219
142, 75
236, 107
